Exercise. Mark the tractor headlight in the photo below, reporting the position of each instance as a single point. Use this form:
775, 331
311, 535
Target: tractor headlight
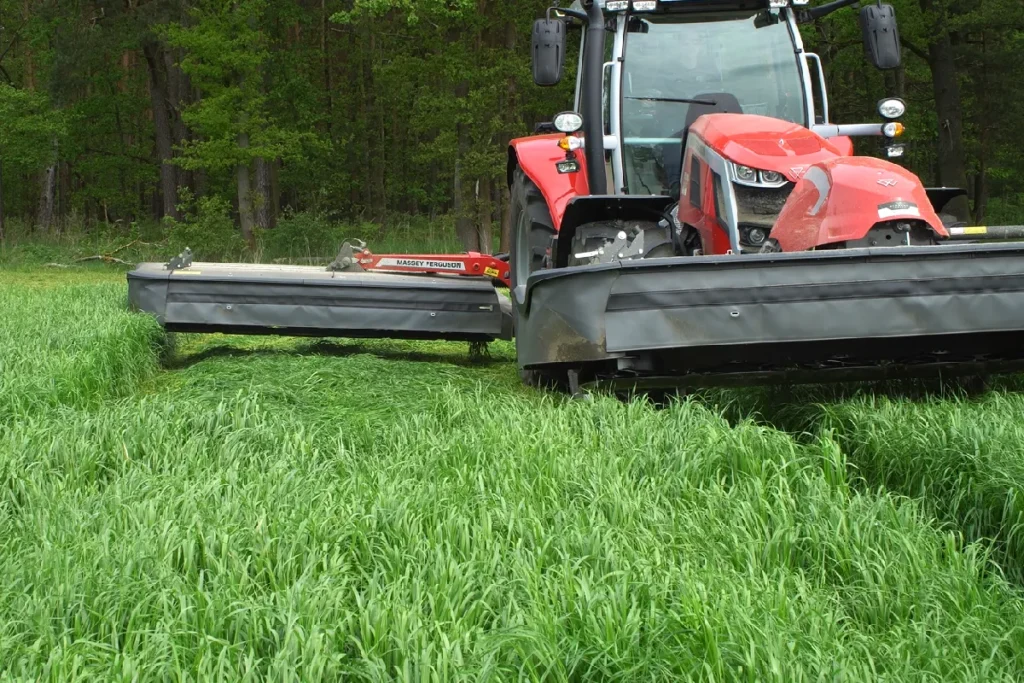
746, 174
755, 177
755, 237
892, 108
568, 122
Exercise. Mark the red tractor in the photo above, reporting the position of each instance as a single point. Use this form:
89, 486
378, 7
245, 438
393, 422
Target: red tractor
721, 228
695, 218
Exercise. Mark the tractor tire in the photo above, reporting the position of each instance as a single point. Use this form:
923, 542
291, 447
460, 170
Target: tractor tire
532, 229
533, 235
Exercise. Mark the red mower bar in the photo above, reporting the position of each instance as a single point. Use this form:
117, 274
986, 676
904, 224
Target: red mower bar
470, 264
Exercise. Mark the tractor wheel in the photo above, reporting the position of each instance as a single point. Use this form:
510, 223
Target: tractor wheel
532, 229
532, 236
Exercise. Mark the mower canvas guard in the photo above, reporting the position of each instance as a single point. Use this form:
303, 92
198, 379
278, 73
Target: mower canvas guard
452, 297
784, 317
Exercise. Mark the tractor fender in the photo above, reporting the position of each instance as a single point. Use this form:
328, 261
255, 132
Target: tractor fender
538, 157
843, 198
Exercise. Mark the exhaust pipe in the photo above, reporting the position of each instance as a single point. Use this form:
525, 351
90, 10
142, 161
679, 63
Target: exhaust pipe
593, 105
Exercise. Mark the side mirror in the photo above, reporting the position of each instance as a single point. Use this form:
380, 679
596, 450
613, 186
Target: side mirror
548, 51
881, 36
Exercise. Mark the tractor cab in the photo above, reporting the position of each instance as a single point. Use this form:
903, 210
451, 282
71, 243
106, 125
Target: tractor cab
650, 70
679, 66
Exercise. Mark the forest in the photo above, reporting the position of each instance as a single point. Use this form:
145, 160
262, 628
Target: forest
127, 112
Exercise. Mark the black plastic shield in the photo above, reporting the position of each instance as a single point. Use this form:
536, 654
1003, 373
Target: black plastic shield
881, 36
841, 308
548, 51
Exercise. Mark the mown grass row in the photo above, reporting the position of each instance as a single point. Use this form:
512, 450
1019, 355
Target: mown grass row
959, 454
182, 536
75, 345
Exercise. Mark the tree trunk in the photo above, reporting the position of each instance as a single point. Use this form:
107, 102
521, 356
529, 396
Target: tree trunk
162, 126
3, 234
505, 245
325, 17
179, 90
464, 218
511, 106
264, 205
951, 163
275, 189
983, 124
47, 185
245, 195
486, 212
47, 195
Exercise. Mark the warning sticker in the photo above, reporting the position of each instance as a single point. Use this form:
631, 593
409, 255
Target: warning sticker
898, 208
428, 264
491, 272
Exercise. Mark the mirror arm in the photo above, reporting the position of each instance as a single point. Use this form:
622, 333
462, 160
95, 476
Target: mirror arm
575, 14
805, 16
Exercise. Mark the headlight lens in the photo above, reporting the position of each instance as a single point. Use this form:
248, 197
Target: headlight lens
755, 237
746, 174
756, 177
892, 130
568, 122
892, 108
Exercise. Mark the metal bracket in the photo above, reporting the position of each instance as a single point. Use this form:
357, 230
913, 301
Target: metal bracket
348, 258
182, 260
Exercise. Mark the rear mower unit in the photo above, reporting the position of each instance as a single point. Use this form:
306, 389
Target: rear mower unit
695, 219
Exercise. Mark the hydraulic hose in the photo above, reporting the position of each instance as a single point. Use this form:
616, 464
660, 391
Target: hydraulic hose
593, 102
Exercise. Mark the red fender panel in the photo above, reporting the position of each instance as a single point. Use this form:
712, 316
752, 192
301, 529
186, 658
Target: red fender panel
843, 198
537, 156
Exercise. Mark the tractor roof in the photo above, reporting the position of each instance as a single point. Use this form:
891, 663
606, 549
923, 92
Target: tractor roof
701, 5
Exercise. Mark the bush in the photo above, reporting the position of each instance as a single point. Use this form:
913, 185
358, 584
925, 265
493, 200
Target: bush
207, 229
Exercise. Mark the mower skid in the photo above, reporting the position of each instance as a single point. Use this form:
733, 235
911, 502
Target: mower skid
309, 301
759, 314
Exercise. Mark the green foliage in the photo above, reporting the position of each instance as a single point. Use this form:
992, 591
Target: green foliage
29, 128
370, 108
225, 56
207, 229
272, 509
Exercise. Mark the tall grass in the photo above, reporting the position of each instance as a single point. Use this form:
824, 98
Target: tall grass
181, 538
277, 510
963, 457
75, 345
960, 455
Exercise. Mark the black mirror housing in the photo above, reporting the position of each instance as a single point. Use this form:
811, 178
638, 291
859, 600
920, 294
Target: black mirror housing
881, 35
548, 51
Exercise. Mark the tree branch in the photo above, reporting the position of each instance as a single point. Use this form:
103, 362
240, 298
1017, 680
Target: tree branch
916, 50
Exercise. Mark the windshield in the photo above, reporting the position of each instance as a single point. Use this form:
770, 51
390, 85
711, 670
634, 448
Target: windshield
727, 62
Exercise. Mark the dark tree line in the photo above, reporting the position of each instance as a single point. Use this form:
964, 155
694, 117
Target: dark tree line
134, 110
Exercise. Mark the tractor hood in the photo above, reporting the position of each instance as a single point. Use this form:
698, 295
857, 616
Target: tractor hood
842, 199
764, 143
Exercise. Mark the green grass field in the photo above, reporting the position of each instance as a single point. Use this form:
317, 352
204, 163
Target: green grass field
272, 509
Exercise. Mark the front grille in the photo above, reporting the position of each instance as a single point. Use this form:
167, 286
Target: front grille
760, 205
